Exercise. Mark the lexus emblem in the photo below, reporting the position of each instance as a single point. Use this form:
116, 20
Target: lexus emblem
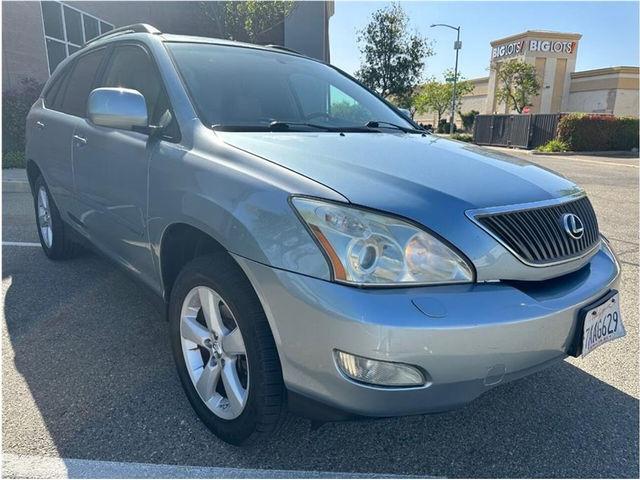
573, 226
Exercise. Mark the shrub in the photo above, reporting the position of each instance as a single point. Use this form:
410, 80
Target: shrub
554, 145
468, 119
444, 126
462, 137
592, 132
13, 160
16, 103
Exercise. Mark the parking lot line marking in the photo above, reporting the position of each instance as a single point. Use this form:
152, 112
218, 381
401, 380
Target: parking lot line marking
20, 244
28, 466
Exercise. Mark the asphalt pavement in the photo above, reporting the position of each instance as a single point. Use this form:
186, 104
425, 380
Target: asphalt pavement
88, 375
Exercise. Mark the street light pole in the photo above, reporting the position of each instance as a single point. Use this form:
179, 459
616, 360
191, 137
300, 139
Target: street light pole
456, 46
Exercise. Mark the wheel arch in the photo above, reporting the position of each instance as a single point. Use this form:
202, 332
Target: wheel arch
33, 172
180, 243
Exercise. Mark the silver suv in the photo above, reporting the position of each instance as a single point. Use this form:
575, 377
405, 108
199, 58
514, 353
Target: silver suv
316, 250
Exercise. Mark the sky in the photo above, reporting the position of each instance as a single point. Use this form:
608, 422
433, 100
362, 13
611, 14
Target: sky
609, 30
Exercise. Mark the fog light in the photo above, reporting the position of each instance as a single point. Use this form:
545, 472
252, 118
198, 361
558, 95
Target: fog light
376, 372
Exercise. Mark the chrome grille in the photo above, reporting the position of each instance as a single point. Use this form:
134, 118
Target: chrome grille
537, 235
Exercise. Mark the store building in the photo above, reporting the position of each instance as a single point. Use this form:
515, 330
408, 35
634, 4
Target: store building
611, 90
37, 36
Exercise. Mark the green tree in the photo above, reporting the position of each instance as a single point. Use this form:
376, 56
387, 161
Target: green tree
246, 21
517, 84
437, 97
392, 59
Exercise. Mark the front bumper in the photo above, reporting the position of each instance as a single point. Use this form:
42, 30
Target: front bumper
468, 338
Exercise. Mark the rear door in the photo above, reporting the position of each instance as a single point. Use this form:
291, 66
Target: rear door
49, 132
111, 165
63, 109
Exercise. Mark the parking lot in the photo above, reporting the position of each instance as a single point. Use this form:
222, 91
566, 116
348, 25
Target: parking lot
88, 374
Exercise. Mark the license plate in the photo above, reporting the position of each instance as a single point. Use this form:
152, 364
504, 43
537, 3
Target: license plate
602, 324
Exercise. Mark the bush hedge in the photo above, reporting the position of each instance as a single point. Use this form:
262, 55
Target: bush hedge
462, 137
16, 103
592, 132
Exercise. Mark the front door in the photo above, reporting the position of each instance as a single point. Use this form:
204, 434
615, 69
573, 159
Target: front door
111, 166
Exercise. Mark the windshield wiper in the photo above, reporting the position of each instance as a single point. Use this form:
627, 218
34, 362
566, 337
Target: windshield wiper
275, 126
281, 125
378, 124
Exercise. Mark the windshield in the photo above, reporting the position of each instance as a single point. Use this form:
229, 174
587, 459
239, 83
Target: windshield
250, 89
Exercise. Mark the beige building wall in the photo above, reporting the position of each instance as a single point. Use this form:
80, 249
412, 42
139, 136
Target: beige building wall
477, 98
611, 90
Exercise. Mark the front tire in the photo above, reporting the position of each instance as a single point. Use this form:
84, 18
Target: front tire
54, 235
224, 351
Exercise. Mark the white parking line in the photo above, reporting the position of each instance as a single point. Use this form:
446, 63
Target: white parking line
27, 466
20, 244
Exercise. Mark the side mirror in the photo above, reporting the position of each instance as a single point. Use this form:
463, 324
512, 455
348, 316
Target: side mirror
122, 108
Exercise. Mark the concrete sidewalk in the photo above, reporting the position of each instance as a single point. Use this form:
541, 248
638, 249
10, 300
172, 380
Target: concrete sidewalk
14, 180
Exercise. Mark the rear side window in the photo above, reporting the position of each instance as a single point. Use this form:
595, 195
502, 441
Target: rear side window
79, 83
52, 96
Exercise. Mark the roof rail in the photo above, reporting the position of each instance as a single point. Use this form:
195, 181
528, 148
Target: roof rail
135, 28
280, 47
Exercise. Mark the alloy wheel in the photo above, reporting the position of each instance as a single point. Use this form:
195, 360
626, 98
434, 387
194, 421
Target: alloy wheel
44, 217
214, 352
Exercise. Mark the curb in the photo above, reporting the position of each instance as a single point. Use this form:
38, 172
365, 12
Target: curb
608, 153
25, 466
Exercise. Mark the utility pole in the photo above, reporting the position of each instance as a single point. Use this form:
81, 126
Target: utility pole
456, 46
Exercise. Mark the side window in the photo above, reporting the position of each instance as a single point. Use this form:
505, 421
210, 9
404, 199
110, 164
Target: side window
79, 83
52, 96
131, 67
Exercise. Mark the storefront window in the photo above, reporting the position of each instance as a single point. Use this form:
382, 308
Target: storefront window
66, 29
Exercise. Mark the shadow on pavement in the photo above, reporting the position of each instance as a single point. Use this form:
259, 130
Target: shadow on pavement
95, 357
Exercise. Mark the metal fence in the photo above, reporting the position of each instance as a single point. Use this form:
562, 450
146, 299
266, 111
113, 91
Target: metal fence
524, 131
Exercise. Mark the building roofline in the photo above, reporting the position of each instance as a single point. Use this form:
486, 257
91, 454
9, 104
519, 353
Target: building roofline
606, 71
539, 33
478, 80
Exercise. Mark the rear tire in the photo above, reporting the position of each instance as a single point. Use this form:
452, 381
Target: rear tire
221, 339
54, 234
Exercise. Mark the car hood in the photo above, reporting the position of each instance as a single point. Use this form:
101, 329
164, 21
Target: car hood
424, 178
404, 171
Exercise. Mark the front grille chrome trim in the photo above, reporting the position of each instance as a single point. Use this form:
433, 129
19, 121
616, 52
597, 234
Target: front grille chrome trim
547, 240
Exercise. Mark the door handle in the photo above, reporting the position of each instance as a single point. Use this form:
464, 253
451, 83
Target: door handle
39, 125
80, 140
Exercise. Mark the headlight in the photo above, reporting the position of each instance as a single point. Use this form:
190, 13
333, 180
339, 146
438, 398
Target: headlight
367, 248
